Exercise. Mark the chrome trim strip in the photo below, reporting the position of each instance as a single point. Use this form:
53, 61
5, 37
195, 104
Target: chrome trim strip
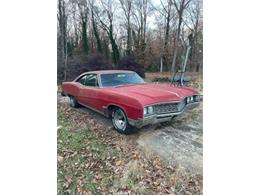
92, 109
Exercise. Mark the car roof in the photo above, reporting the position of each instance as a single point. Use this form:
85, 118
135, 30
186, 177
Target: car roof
107, 71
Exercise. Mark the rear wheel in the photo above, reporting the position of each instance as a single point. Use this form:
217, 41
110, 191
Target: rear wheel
120, 121
73, 102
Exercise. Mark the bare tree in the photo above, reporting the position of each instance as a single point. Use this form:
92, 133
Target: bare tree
127, 6
84, 11
180, 6
62, 19
168, 13
194, 23
95, 27
139, 36
107, 24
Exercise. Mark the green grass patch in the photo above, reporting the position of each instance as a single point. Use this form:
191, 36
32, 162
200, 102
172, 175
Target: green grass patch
82, 164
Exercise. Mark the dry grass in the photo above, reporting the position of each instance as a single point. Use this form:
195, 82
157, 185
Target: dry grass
195, 77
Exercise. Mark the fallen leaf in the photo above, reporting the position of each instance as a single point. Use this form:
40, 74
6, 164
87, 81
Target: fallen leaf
98, 177
68, 181
118, 163
156, 183
188, 193
68, 178
60, 158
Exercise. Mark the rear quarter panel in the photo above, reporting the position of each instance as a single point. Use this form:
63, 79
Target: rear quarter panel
70, 88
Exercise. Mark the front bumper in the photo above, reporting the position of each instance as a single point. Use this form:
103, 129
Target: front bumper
153, 119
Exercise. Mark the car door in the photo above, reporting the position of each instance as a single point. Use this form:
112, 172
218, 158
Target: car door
89, 93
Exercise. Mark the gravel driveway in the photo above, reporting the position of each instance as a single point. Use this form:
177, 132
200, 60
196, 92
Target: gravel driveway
179, 142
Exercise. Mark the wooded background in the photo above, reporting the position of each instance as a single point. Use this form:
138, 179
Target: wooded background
140, 35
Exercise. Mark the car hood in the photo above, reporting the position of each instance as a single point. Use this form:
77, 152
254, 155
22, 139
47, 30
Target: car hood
153, 93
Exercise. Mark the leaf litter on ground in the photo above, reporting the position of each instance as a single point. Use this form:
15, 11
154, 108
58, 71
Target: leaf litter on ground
93, 159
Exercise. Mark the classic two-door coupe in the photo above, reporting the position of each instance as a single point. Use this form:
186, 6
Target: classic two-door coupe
127, 99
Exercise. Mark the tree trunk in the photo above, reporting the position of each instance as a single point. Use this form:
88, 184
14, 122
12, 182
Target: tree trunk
128, 47
116, 54
63, 30
166, 40
66, 61
176, 43
161, 65
84, 36
98, 41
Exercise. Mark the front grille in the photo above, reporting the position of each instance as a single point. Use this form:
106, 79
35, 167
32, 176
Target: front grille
169, 107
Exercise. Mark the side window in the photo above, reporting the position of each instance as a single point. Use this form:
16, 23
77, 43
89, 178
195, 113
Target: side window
91, 80
82, 80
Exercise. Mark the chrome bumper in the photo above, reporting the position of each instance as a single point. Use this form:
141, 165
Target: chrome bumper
153, 119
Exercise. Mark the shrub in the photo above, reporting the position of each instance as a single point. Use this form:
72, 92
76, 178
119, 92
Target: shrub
82, 64
98, 62
130, 63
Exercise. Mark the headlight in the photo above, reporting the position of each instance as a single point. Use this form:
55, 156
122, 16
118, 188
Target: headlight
148, 110
188, 100
198, 98
145, 110
191, 99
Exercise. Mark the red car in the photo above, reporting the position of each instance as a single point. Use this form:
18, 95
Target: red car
127, 99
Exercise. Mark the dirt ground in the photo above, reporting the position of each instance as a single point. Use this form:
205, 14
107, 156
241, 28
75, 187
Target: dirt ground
179, 142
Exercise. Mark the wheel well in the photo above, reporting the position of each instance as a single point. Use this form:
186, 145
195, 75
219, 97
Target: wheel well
111, 107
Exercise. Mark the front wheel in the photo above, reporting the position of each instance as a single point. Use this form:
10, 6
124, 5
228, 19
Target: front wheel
120, 121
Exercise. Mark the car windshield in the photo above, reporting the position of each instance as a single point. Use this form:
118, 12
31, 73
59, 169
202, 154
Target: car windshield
120, 79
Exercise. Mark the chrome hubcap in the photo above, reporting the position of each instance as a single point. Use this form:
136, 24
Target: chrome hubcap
119, 120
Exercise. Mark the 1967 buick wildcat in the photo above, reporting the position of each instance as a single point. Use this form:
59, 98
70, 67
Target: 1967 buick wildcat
127, 99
